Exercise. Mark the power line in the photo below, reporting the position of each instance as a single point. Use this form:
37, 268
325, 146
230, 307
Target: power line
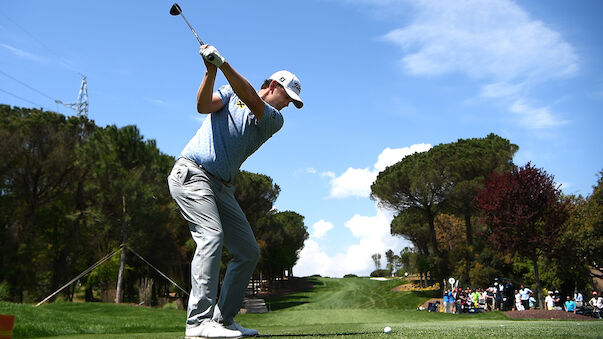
63, 61
81, 106
31, 35
28, 86
18, 97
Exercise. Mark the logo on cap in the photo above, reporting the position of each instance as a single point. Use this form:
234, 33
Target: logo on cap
297, 86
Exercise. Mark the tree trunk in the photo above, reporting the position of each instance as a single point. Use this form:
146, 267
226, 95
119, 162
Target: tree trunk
89, 296
122, 262
468, 229
434, 241
537, 279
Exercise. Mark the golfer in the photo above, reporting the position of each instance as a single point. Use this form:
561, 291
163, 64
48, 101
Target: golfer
239, 121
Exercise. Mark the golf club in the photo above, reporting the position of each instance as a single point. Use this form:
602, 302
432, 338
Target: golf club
176, 10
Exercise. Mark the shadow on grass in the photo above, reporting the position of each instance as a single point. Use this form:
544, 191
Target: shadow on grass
314, 281
427, 294
282, 302
316, 334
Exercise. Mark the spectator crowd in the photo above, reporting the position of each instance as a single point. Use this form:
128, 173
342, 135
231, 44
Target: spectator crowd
503, 296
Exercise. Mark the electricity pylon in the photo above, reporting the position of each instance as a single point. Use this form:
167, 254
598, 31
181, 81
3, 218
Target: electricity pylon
81, 105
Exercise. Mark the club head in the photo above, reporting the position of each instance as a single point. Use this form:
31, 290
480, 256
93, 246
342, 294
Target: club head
175, 10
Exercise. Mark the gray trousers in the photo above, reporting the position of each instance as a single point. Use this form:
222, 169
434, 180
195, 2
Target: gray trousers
215, 219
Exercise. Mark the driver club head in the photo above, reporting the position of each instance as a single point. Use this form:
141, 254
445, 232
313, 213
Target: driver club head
175, 10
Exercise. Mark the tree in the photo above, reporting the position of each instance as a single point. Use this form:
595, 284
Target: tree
376, 260
582, 248
420, 182
469, 162
256, 194
411, 225
280, 235
449, 232
128, 202
593, 237
281, 246
415, 262
389, 258
37, 173
525, 212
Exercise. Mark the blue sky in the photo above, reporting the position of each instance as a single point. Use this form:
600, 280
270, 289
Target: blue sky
380, 79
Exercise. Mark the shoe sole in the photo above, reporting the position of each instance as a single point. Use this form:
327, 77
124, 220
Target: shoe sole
198, 337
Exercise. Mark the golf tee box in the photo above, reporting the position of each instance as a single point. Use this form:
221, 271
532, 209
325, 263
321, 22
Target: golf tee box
6, 326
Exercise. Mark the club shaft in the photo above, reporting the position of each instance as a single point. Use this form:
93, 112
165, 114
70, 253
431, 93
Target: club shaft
192, 29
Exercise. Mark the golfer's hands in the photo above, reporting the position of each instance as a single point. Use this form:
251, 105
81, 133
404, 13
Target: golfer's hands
211, 55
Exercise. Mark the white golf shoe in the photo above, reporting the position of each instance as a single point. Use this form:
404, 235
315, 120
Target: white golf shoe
209, 329
247, 332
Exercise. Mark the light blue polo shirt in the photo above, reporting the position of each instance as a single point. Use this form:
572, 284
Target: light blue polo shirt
229, 136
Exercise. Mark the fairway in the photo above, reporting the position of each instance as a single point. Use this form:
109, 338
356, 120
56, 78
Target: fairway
334, 308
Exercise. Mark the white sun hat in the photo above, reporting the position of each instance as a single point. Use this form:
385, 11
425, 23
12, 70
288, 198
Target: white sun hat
291, 84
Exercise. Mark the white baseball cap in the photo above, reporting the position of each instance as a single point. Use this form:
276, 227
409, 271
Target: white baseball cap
291, 85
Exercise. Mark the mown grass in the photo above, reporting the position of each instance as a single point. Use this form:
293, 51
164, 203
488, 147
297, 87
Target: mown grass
334, 308
351, 293
77, 318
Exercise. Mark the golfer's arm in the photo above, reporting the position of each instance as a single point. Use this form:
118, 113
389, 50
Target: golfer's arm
244, 90
206, 101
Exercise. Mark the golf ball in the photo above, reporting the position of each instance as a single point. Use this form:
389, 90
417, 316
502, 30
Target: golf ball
387, 329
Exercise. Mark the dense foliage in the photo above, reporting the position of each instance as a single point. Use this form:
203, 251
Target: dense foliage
526, 214
72, 192
551, 238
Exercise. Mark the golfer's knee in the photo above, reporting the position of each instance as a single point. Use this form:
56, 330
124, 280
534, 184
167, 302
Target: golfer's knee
250, 255
208, 240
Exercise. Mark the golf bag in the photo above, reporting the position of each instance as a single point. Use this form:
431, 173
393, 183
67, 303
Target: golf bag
433, 307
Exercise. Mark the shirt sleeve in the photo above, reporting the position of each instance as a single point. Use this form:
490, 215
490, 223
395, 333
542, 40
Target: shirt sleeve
225, 92
272, 120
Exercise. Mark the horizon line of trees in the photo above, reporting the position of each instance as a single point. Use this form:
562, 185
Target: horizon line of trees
471, 213
71, 192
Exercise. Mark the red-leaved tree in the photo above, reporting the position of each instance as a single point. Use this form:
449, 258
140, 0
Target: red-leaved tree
526, 212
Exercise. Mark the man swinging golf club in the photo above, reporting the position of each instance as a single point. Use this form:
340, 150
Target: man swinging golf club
239, 121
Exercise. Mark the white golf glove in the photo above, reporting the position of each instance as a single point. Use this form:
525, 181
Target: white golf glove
211, 54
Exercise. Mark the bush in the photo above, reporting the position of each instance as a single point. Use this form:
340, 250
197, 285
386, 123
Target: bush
381, 273
4, 291
170, 306
350, 276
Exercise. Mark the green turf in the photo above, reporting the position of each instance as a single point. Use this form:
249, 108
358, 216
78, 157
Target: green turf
334, 308
354, 293
75, 318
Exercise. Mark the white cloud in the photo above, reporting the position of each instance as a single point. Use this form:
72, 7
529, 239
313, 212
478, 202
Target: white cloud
390, 156
356, 182
373, 234
21, 53
482, 39
353, 182
328, 174
320, 228
312, 260
501, 90
486, 40
535, 117
155, 101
